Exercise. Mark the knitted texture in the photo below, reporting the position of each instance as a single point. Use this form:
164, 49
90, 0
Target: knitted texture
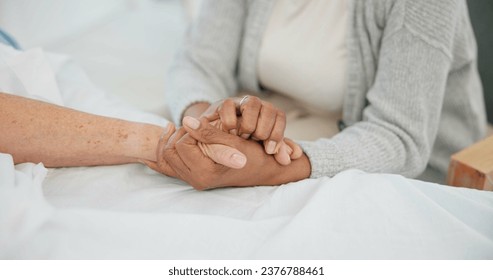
413, 94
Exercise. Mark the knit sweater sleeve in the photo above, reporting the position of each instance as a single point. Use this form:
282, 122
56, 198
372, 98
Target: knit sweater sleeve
203, 70
401, 120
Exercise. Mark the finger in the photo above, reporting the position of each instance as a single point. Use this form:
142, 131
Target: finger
152, 165
297, 151
282, 156
161, 164
192, 152
202, 131
277, 134
224, 155
211, 113
171, 156
177, 135
204, 169
227, 114
176, 164
240, 101
163, 140
167, 133
160, 168
216, 143
250, 110
265, 122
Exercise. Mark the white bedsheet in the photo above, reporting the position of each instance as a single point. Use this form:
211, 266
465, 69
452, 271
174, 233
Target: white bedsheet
131, 212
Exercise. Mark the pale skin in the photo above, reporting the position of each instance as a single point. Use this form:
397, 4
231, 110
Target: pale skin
36, 131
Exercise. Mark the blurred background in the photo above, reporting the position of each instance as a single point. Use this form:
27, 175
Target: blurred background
481, 14
125, 46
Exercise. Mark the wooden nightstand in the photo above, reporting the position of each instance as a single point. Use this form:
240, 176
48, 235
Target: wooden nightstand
473, 166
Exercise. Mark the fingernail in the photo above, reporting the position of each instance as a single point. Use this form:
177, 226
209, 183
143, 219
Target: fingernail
289, 149
271, 147
238, 160
245, 136
284, 155
191, 122
234, 131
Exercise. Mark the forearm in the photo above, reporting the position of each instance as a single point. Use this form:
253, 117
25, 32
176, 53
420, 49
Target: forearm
35, 131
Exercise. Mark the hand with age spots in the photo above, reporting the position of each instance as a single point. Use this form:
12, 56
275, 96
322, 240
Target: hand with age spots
62, 137
218, 153
186, 154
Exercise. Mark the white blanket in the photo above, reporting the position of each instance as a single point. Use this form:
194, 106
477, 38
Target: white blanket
131, 212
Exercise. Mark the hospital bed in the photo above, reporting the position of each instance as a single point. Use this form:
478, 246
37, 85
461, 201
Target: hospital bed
131, 212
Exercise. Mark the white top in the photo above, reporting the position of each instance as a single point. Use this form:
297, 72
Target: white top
303, 53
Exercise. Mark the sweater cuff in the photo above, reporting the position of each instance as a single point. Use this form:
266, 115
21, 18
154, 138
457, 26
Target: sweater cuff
323, 156
179, 105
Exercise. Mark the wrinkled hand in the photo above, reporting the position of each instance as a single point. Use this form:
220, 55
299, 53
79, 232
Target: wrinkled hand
218, 153
185, 155
251, 117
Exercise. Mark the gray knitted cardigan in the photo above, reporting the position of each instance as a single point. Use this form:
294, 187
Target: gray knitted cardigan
413, 95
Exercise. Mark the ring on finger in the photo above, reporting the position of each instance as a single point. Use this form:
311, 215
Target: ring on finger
244, 99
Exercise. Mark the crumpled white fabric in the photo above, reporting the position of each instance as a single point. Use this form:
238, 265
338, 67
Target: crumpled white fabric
27, 74
57, 79
23, 207
131, 212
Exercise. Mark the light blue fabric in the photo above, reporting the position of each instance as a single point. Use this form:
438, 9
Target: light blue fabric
8, 40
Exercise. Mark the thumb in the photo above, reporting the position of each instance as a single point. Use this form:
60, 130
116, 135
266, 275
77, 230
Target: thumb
224, 155
296, 151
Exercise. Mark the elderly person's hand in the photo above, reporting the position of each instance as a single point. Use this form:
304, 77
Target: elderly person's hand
221, 154
184, 153
251, 117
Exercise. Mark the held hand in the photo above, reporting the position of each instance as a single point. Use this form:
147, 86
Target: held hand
185, 156
218, 153
259, 120
162, 165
